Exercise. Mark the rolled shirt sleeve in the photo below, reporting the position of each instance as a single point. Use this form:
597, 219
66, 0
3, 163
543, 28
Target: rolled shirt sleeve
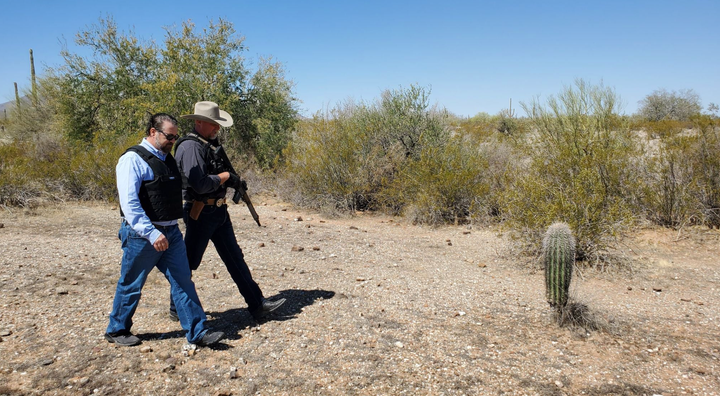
189, 158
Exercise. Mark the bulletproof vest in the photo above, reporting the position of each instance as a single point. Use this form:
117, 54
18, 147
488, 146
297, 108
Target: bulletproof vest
161, 197
214, 166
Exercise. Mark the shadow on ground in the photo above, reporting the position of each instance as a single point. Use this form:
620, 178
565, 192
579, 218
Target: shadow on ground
234, 320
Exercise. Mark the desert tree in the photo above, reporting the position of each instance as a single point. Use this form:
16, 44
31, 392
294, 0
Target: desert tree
670, 105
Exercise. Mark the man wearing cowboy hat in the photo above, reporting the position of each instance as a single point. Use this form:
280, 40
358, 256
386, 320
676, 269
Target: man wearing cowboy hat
205, 186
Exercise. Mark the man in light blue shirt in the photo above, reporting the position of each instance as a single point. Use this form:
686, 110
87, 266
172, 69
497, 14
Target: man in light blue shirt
150, 189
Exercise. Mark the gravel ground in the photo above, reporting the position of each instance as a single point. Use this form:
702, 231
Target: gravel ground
375, 306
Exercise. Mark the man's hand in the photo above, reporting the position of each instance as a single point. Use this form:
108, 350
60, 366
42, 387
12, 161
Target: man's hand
233, 181
161, 244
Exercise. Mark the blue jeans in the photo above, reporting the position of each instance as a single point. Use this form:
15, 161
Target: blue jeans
214, 225
139, 258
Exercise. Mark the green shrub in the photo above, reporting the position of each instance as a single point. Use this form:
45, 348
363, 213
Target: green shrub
667, 179
580, 170
681, 183
706, 165
348, 158
50, 168
324, 166
443, 184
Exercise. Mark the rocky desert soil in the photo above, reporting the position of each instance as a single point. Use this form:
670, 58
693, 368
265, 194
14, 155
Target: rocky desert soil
375, 306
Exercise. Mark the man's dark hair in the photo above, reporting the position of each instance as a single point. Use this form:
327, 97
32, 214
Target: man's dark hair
156, 121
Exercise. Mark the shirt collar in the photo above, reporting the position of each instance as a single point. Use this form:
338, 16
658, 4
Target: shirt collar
145, 143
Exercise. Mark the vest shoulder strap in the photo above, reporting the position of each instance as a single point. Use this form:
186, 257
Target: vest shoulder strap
142, 152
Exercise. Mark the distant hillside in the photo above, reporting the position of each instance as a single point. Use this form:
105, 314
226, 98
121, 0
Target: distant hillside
6, 105
9, 105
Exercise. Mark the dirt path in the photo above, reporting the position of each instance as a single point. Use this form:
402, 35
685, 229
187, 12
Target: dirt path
376, 306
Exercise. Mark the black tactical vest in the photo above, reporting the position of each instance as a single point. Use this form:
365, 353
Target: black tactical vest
161, 197
214, 167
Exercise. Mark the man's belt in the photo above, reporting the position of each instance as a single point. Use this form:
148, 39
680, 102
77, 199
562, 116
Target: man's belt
217, 202
197, 206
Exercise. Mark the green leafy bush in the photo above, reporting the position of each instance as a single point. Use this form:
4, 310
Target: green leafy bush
443, 184
580, 170
125, 79
384, 156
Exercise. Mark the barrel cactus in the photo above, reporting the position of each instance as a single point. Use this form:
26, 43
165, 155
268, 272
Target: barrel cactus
558, 257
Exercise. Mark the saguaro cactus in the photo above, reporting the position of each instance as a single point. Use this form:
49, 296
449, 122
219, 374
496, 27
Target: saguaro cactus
32, 78
17, 96
558, 257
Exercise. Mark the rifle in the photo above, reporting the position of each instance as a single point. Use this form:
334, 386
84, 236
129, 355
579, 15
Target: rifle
240, 191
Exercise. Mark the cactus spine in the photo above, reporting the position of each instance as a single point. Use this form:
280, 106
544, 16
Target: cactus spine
558, 257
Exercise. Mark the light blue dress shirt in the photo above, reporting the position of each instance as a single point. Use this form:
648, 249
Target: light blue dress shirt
131, 171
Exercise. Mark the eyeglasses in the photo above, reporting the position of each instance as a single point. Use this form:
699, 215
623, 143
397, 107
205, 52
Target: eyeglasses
168, 137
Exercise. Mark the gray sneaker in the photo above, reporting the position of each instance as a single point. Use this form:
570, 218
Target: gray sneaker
123, 339
211, 338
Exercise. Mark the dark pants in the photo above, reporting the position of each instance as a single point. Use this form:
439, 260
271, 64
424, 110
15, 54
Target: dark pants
214, 225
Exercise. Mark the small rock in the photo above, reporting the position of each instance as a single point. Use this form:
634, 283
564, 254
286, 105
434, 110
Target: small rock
299, 218
353, 228
657, 289
113, 207
360, 279
242, 361
316, 248
78, 381
169, 367
399, 344
559, 384
333, 255
60, 290
5, 333
447, 240
2, 225
214, 275
1, 339
297, 249
146, 349
189, 349
629, 287
47, 362
261, 244
482, 265
74, 282
466, 232
233, 372
449, 243
461, 313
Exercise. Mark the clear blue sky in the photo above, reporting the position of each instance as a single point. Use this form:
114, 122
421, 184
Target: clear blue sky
474, 55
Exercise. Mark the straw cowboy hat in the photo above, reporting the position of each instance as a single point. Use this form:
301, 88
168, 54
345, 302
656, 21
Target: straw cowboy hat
210, 112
